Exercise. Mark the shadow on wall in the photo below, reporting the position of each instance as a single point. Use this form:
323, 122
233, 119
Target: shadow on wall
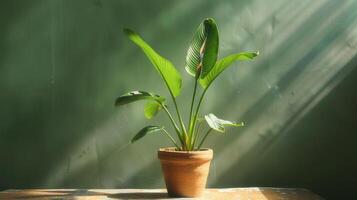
64, 63
51, 85
304, 153
106, 165
268, 138
297, 71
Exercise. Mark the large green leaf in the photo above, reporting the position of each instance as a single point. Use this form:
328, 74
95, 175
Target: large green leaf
219, 124
166, 69
203, 50
151, 109
136, 96
144, 131
222, 64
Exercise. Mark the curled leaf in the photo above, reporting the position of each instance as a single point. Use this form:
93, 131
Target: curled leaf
203, 50
151, 109
219, 124
136, 96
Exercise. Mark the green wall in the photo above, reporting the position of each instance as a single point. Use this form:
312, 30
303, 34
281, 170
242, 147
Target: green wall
63, 63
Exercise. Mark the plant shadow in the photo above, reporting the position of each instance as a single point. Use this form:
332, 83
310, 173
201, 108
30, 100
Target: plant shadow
39, 194
140, 195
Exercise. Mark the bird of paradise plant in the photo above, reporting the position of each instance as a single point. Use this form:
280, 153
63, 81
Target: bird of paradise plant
203, 66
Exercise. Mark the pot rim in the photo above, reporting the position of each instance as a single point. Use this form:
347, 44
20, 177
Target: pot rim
173, 150
169, 153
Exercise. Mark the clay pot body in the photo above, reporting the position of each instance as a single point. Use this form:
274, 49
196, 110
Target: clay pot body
185, 172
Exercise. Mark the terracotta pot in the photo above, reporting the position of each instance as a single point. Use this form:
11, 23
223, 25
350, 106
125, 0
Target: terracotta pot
185, 172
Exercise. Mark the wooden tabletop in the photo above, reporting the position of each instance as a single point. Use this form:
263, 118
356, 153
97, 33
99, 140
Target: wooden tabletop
228, 193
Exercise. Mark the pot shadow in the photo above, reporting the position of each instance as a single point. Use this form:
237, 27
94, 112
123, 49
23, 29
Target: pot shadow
39, 194
139, 195
289, 193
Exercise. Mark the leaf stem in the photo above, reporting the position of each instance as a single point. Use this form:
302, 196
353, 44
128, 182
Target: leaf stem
171, 138
190, 129
204, 138
198, 107
179, 115
173, 123
195, 136
183, 135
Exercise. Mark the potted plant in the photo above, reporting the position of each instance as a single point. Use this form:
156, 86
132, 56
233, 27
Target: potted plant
186, 165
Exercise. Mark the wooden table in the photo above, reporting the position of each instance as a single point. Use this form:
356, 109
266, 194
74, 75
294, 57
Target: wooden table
221, 194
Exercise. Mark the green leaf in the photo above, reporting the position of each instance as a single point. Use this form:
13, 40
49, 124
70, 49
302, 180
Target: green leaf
222, 64
203, 50
144, 131
166, 69
219, 124
136, 96
151, 109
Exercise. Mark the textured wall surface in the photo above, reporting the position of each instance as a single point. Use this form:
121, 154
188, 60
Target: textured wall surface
63, 63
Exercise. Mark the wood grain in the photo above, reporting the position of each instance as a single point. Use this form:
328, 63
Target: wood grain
99, 194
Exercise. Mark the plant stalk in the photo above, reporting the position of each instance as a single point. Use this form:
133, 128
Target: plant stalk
195, 136
204, 138
184, 133
179, 115
198, 107
190, 129
172, 139
174, 124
